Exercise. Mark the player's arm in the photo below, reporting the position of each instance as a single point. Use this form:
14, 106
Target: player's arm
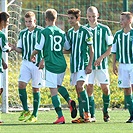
32, 57
1, 90
99, 60
41, 64
67, 47
115, 69
89, 67
4, 64
18, 48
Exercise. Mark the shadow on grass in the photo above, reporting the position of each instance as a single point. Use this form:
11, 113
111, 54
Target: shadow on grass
24, 124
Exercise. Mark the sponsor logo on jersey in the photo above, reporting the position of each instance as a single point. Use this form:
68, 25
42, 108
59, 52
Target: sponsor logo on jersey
89, 39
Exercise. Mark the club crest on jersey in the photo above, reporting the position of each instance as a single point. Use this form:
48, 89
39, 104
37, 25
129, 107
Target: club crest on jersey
98, 32
34, 35
131, 38
79, 35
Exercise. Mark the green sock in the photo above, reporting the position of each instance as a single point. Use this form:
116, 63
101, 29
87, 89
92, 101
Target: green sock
106, 102
36, 103
92, 106
64, 93
57, 105
129, 102
80, 108
23, 98
85, 101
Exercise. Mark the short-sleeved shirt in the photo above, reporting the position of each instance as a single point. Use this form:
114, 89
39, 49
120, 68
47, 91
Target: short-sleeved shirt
102, 39
3, 47
26, 42
123, 46
51, 41
79, 41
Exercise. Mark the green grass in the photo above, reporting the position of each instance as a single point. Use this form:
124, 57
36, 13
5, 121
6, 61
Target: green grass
45, 119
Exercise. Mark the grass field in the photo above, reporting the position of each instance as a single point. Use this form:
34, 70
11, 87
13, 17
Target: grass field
45, 119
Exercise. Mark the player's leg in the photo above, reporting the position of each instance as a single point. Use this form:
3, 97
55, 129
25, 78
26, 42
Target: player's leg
22, 83
36, 84
129, 96
84, 99
52, 81
23, 98
1, 88
89, 89
57, 105
81, 110
81, 78
102, 77
129, 102
106, 101
64, 93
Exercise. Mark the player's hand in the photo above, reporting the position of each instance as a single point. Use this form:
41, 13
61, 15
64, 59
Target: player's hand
88, 69
33, 59
1, 90
115, 69
41, 64
11, 46
4, 65
98, 61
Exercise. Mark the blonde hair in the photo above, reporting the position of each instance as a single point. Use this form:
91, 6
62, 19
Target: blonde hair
128, 15
51, 14
30, 14
92, 9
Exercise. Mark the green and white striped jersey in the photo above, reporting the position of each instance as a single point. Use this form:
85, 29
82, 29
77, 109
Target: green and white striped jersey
123, 46
3, 47
52, 41
102, 39
27, 41
79, 41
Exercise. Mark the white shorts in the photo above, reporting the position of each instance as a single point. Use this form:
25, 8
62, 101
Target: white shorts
1, 80
78, 76
30, 71
125, 75
99, 77
52, 80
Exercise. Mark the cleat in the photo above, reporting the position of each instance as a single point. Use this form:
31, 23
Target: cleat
31, 119
73, 108
130, 120
78, 120
24, 115
93, 119
106, 117
60, 120
87, 117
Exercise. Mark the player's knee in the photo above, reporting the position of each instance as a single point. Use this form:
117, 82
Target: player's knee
22, 85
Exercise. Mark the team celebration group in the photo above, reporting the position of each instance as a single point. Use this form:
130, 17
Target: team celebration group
89, 46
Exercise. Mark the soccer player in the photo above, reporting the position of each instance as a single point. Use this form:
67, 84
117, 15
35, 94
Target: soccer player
102, 43
51, 41
29, 70
4, 22
122, 50
80, 41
